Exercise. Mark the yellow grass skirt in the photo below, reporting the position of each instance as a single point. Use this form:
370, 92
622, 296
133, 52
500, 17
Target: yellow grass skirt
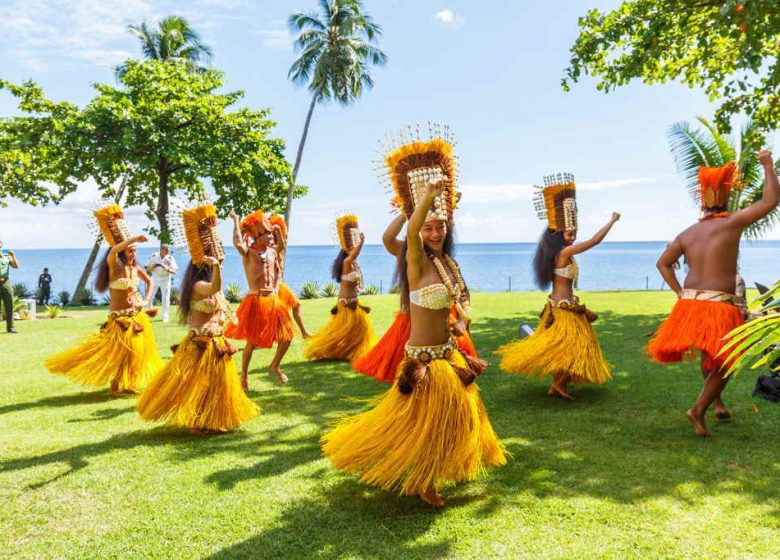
347, 336
199, 388
568, 345
123, 354
410, 443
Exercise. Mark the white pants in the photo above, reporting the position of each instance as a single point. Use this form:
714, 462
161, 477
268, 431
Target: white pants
164, 285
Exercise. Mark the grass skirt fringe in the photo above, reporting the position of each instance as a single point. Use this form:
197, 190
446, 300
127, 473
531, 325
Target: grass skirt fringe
382, 361
694, 324
122, 355
199, 388
410, 443
288, 297
348, 335
262, 320
568, 345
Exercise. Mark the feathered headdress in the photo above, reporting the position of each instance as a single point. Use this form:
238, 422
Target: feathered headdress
256, 217
556, 202
277, 220
111, 223
716, 184
197, 229
348, 232
410, 161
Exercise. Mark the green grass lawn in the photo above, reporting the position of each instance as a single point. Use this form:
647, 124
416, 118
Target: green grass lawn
616, 474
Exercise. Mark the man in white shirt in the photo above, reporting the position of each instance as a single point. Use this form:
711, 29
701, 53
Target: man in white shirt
162, 266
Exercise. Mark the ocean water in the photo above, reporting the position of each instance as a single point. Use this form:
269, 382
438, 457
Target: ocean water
486, 267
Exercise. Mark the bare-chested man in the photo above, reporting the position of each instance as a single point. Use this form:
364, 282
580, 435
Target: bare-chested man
262, 316
707, 308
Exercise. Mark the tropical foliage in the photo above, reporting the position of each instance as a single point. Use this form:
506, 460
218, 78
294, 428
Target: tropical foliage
729, 48
21, 290
63, 298
331, 289
173, 39
370, 290
756, 344
233, 293
337, 49
53, 311
694, 146
84, 296
310, 290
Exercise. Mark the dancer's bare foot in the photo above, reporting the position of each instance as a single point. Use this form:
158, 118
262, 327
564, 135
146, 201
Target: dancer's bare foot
277, 371
560, 391
196, 431
434, 498
305, 335
723, 413
698, 423
115, 393
245, 382
131, 391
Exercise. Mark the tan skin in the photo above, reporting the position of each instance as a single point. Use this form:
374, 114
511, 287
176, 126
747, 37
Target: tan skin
296, 311
126, 299
349, 290
430, 327
562, 288
711, 247
263, 276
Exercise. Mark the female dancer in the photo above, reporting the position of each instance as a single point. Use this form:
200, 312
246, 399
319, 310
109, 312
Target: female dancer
199, 388
382, 361
431, 426
124, 353
349, 333
565, 344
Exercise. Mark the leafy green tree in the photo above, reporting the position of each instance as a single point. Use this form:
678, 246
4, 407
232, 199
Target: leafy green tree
729, 48
173, 39
337, 48
694, 146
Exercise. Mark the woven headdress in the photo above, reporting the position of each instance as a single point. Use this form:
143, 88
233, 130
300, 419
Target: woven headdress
197, 228
410, 161
256, 217
348, 232
111, 223
556, 202
716, 184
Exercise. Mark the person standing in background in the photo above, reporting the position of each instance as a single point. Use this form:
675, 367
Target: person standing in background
7, 261
162, 266
44, 287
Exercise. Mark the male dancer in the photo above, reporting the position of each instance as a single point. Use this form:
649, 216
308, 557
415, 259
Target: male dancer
706, 309
262, 316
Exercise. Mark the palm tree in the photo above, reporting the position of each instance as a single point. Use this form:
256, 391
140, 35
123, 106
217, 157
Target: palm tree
337, 49
173, 39
693, 147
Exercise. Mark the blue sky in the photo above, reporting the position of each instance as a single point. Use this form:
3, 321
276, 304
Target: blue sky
491, 70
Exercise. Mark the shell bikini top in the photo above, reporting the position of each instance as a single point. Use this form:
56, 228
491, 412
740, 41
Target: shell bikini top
126, 283
354, 276
215, 304
570, 271
433, 296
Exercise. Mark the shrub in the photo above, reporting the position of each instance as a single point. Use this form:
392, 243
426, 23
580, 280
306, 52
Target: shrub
370, 290
106, 300
21, 290
233, 293
395, 289
64, 298
53, 311
174, 295
18, 306
310, 290
83, 296
331, 289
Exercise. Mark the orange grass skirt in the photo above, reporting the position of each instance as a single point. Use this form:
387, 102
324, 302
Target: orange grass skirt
262, 320
695, 325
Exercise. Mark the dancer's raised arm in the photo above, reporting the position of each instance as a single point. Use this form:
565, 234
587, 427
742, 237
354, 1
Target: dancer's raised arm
390, 236
415, 252
238, 240
769, 200
113, 253
578, 248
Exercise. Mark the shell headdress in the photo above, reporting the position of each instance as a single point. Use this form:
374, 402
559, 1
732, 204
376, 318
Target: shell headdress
197, 229
556, 202
110, 222
410, 159
348, 232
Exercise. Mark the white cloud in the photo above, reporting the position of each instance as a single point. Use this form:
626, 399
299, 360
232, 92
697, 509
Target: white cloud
615, 183
490, 194
449, 18
280, 39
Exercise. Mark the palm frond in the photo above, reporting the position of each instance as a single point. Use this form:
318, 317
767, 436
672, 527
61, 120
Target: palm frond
691, 149
725, 147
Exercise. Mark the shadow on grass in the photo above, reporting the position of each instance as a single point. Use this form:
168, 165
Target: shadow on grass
91, 397
346, 520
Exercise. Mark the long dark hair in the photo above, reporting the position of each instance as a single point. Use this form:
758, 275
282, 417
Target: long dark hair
550, 244
193, 275
401, 278
103, 278
338, 265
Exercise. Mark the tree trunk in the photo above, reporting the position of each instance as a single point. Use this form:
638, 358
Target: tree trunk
96, 247
162, 203
297, 166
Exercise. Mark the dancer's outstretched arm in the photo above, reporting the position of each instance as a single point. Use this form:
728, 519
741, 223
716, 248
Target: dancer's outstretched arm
390, 237
578, 248
207, 289
769, 200
238, 240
